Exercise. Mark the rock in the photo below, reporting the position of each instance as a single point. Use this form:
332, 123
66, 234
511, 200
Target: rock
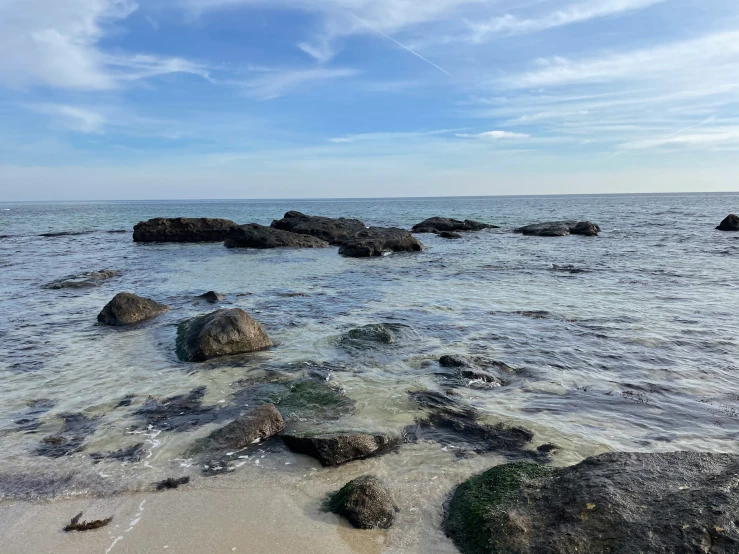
438, 402
212, 297
259, 236
676, 502
133, 453
127, 308
182, 229
365, 502
730, 223
445, 224
382, 333
559, 229
82, 280
76, 428
331, 230
262, 423
220, 333
334, 449
182, 412
449, 235
476, 370
377, 241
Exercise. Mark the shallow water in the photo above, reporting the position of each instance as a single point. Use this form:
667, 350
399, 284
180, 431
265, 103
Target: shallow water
636, 351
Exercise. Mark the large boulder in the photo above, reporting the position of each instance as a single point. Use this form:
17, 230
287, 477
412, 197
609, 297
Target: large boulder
365, 502
441, 224
182, 229
254, 235
560, 229
220, 333
262, 423
333, 449
127, 308
377, 241
332, 230
730, 223
677, 503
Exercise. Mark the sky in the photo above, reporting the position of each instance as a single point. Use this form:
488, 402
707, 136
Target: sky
188, 99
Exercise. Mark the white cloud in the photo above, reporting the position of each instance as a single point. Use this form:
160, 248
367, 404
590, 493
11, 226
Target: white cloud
277, 83
566, 15
389, 136
73, 118
495, 135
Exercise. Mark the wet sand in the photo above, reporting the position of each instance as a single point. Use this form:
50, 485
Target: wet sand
199, 521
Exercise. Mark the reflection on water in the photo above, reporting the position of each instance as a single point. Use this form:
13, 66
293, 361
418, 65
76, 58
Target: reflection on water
622, 342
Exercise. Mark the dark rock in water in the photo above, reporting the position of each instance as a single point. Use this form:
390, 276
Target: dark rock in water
220, 333
77, 525
259, 236
333, 449
178, 413
127, 309
547, 448
133, 453
76, 428
171, 483
559, 229
304, 399
82, 280
65, 234
676, 502
377, 241
212, 297
380, 333
182, 229
262, 423
444, 224
331, 230
450, 235
476, 371
28, 418
569, 268
125, 401
443, 403
730, 223
365, 503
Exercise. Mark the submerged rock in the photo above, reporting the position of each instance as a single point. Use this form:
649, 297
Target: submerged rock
559, 229
730, 223
212, 297
28, 419
365, 503
445, 224
77, 427
477, 370
443, 403
178, 413
331, 230
332, 449
377, 241
677, 502
304, 399
380, 333
182, 229
449, 235
88, 279
259, 236
262, 423
220, 333
127, 309
133, 453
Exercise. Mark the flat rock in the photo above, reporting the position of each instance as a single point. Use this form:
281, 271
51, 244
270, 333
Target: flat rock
676, 502
730, 223
445, 224
127, 309
377, 241
254, 235
220, 333
262, 423
82, 280
560, 229
182, 229
331, 230
365, 503
333, 449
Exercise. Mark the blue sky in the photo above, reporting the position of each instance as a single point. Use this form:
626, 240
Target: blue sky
113, 99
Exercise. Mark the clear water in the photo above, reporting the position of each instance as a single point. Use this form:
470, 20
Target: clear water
638, 352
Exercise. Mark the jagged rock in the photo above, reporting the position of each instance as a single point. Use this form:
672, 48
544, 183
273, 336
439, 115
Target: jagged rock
220, 333
365, 503
212, 297
333, 449
445, 224
182, 229
262, 423
730, 223
377, 241
127, 308
82, 280
331, 230
559, 229
254, 235
676, 502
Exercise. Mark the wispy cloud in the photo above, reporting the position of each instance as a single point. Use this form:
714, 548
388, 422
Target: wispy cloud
388, 136
73, 118
495, 135
277, 83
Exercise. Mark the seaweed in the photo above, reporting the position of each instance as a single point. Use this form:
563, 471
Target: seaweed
171, 483
77, 525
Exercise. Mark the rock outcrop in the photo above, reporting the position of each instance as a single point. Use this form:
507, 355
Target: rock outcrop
332, 230
377, 241
220, 333
254, 235
676, 502
262, 423
365, 503
560, 229
333, 449
127, 309
730, 223
182, 229
440, 224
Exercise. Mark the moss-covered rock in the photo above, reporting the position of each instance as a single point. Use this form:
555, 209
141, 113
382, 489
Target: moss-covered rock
364, 502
